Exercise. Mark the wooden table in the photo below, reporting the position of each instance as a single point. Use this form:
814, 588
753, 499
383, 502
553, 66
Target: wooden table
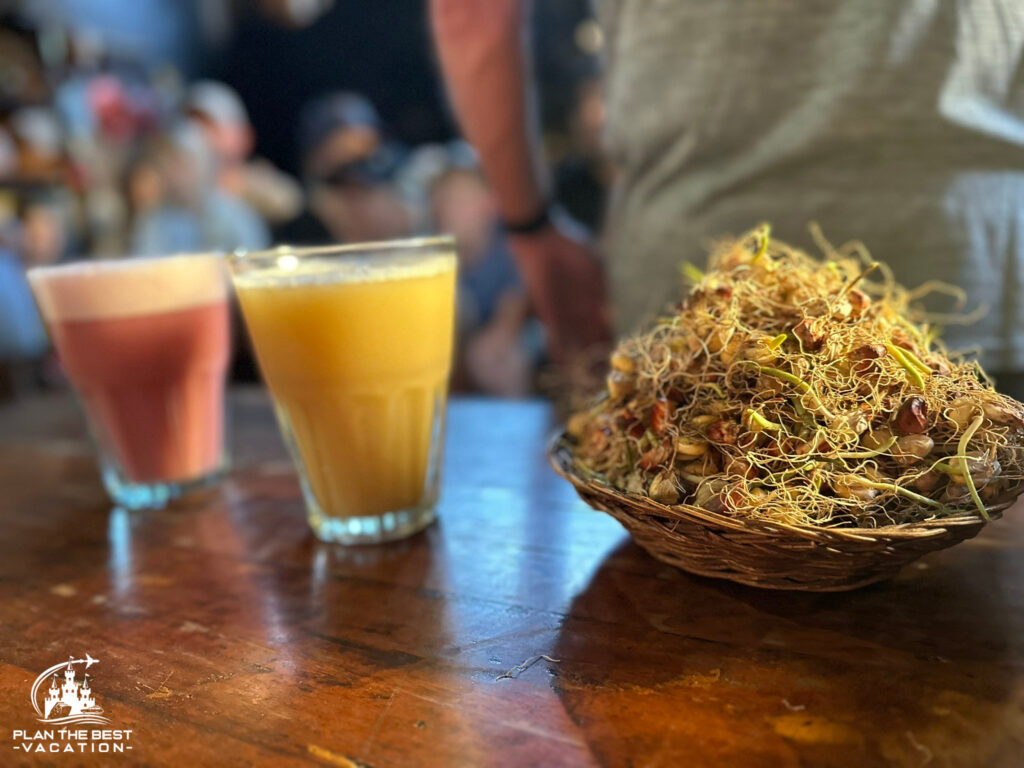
228, 636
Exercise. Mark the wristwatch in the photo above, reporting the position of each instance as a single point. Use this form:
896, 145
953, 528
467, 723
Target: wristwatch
539, 221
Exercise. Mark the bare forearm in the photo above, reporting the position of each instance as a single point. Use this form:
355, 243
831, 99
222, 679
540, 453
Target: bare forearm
482, 49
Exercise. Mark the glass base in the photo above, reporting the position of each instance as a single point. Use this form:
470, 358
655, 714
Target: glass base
373, 529
130, 495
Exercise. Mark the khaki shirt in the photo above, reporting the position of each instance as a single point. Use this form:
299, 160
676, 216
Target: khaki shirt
899, 123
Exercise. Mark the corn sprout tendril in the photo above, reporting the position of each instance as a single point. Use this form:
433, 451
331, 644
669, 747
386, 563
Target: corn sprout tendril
869, 454
691, 272
901, 491
756, 418
912, 373
962, 450
762, 232
796, 381
853, 283
915, 361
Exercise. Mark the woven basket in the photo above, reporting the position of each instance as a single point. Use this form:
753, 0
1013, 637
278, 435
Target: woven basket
766, 554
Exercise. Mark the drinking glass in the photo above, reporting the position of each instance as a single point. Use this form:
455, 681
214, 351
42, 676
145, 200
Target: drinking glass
355, 344
145, 344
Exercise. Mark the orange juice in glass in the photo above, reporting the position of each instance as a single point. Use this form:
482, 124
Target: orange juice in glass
355, 344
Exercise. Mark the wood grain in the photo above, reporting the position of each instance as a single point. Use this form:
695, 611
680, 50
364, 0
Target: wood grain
228, 636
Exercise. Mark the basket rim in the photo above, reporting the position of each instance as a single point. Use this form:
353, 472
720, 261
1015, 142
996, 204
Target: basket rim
560, 456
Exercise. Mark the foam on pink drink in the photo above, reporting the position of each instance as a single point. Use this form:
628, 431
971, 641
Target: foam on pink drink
146, 344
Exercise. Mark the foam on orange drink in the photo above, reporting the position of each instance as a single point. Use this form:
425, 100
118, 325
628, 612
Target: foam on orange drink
145, 342
356, 353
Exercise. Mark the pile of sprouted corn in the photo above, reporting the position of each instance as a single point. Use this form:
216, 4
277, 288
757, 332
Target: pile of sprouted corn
795, 390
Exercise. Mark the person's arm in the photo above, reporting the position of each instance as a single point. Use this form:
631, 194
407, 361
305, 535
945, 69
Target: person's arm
482, 49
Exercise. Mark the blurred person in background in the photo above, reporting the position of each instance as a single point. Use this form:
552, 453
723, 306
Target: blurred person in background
499, 346
39, 138
194, 214
583, 177
143, 187
103, 118
898, 123
273, 194
348, 168
44, 231
37, 238
8, 155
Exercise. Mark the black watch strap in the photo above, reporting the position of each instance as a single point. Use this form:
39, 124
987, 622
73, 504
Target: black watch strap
531, 225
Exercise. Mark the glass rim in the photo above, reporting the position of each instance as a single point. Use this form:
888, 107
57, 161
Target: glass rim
341, 249
118, 263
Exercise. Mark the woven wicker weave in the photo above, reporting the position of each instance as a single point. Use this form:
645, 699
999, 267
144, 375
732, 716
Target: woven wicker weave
767, 554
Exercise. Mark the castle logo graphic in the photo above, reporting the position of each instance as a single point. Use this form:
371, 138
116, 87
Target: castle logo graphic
68, 700
66, 706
